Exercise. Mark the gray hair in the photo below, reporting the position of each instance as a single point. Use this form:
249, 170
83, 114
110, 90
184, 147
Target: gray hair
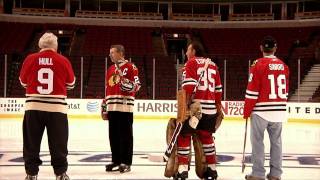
48, 40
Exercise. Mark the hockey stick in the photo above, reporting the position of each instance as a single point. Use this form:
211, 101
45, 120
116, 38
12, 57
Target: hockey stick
179, 125
118, 68
243, 166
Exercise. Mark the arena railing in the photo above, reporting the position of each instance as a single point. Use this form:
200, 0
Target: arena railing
162, 85
307, 15
195, 17
38, 12
119, 15
252, 17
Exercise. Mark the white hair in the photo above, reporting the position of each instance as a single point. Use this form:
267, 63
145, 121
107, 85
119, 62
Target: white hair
48, 40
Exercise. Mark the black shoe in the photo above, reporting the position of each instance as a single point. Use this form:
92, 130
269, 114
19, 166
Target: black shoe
112, 167
29, 177
62, 176
124, 168
210, 174
181, 176
273, 177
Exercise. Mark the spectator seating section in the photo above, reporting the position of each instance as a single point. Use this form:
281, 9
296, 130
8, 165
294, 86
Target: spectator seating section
306, 56
136, 40
119, 15
39, 12
195, 17
307, 15
247, 40
14, 36
251, 17
316, 96
236, 46
2, 74
242, 45
165, 77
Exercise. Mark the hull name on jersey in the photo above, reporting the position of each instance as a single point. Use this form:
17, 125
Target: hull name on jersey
45, 61
276, 67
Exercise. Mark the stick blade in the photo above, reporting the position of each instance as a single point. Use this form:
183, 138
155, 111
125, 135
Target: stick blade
243, 167
153, 157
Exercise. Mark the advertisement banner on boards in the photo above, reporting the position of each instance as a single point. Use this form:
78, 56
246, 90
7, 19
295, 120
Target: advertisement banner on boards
154, 108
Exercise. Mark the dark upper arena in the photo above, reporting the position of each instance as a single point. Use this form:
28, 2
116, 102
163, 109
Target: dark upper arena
155, 35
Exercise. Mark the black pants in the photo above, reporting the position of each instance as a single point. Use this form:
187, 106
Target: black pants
207, 123
121, 137
34, 123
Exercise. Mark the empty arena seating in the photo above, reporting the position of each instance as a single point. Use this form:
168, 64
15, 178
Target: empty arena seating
316, 96
136, 40
1, 74
14, 36
195, 17
165, 77
307, 15
246, 40
306, 56
119, 15
39, 12
251, 17
235, 45
238, 46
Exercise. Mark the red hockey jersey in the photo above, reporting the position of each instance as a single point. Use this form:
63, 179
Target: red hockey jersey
116, 98
46, 75
267, 89
209, 91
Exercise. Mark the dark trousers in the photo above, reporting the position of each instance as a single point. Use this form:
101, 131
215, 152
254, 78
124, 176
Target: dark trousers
121, 137
34, 123
206, 123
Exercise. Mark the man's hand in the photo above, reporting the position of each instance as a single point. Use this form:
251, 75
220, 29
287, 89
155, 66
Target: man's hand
104, 112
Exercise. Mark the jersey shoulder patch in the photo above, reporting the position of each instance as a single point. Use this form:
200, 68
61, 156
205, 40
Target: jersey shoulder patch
254, 63
134, 67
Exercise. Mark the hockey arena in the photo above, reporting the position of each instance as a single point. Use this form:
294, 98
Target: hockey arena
89, 149
155, 35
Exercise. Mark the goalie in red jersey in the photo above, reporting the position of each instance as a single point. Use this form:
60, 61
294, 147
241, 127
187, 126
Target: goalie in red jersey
204, 90
265, 102
122, 83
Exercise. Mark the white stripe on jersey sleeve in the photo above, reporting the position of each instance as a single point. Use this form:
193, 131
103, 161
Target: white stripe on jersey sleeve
251, 97
252, 92
22, 84
189, 81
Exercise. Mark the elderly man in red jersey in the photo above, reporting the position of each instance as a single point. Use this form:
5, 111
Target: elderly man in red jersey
46, 75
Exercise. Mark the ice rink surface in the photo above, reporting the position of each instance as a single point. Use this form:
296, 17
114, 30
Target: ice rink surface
89, 151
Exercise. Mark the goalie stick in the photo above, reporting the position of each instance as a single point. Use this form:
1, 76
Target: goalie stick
243, 165
179, 125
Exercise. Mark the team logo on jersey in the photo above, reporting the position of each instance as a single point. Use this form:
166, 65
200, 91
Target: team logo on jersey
114, 79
